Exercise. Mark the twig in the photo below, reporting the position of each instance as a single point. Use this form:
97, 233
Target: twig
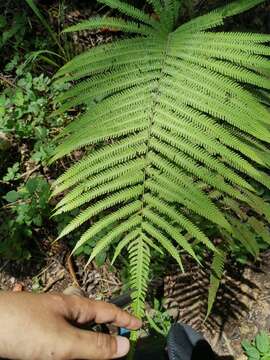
7, 81
24, 176
44, 270
72, 271
4, 182
17, 202
4, 265
227, 342
110, 282
10, 205
60, 276
28, 173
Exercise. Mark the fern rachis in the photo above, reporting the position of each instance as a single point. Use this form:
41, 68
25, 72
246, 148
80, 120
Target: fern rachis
167, 111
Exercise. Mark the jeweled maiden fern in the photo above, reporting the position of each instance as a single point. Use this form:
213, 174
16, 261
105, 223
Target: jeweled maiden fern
174, 127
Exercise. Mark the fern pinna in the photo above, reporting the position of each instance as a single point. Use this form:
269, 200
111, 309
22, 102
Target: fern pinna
174, 127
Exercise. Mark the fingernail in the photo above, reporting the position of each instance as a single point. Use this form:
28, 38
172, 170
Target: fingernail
138, 323
122, 346
135, 324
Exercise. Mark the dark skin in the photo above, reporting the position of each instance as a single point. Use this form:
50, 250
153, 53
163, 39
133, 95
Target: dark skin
38, 327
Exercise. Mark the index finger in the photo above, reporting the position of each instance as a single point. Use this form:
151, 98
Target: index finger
84, 310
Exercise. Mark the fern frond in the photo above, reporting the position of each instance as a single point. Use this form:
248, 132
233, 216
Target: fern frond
196, 139
157, 6
172, 182
168, 17
175, 131
229, 37
123, 80
96, 168
215, 43
243, 234
106, 57
215, 107
103, 189
129, 10
258, 204
116, 198
98, 156
128, 239
233, 55
134, 98
139, 259
216, 17
127, 225
194, 168
163, 224
260, 229
217, 267
124, 243
186, 147
219, 86
105, 176
151, 244
110, 23
126, 77
178, 218
100, 225
175, 196
164, 242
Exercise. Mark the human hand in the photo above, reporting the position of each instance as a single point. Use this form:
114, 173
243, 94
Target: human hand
38, 327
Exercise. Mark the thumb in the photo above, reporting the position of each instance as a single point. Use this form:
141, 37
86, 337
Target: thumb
95, 345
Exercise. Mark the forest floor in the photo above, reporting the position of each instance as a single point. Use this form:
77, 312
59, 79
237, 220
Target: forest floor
241, 311
254, 297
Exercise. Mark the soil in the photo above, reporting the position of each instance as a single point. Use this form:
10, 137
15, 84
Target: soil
241, 310
57, 271
255, 294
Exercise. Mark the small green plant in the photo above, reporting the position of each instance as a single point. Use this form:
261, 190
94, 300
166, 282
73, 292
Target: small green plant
12, 173
24, 111
26, 129
158, 319
24, 211
259, 349
174, 130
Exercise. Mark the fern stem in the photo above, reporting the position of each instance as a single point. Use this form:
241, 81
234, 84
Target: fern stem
156, 93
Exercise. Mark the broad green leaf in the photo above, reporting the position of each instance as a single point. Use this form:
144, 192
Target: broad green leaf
11, 196
262, 342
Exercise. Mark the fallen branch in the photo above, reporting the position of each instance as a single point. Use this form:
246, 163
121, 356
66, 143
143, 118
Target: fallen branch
60, 276
72, 271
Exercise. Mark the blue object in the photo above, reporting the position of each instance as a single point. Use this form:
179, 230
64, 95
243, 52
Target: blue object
123, 331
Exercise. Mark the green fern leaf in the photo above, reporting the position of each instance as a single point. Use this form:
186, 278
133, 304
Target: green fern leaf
129, 10
216, 17
111, 23
139, 258
164, 242
118, 230
124, 243
215, 278
157, 6
175, 128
